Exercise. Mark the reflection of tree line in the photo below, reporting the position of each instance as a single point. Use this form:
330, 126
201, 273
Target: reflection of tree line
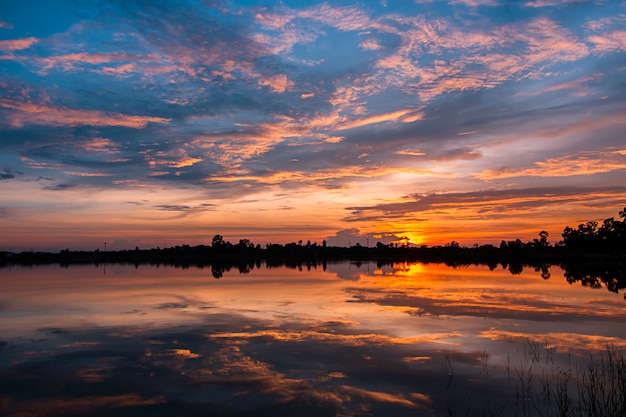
591, 254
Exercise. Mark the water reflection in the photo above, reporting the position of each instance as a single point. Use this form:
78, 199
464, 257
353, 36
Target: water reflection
344, 339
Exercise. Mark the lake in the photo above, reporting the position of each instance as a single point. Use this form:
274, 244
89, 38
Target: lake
341, 339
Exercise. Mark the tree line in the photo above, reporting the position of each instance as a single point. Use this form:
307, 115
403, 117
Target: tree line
588, 242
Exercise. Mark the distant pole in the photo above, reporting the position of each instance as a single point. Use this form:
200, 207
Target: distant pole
105, 246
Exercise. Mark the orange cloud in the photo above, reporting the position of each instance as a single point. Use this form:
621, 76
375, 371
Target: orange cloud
176, 158
562, 342
405, 116
278, 83
359, 339
319, 176
415, 400
410, 153
100, 145
584, 163
29, 113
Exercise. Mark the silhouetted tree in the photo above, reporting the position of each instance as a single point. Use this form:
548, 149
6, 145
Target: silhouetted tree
218, 241
542, 242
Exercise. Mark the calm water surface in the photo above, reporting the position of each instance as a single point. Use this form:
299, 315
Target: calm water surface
347, 340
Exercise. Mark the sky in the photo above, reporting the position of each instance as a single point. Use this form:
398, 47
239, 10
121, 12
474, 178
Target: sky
160, 123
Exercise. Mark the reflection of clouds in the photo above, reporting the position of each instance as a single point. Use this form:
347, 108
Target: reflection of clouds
233, 365
166, 306
481, 302
288, 353
562, 342
78, 406
268, 370
182, 303
413, 400
356, 339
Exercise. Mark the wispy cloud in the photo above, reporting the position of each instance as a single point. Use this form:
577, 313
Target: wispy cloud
49, 115
488, 202
17, 44
586, 163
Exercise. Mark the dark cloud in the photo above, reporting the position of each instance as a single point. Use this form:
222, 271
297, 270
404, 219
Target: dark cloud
173, 208
9, 174
59, 187
507, 200
167, 306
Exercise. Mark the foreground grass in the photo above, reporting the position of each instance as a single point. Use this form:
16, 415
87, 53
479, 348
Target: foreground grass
545, 387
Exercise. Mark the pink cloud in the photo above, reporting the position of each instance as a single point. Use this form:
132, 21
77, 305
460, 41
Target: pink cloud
610, 42
551, 3
29, 113
475, 3
69, 61
584, 163
577, 87
278, 83
17, 44
348, 18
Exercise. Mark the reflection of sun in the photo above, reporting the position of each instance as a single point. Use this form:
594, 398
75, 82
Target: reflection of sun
404, 274
410, 269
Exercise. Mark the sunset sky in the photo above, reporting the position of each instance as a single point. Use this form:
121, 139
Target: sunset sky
158, 123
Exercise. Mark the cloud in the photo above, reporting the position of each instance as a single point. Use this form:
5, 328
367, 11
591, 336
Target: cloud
174, 158
278, 83
578, 87
17, 44
351, 237
609, 42
59, 187
404, 116
553, 3
23, 114
173, 207
475, 3
88, 174
583, 163
9, 174
488, 202
475, 302
561, 342
69, 62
